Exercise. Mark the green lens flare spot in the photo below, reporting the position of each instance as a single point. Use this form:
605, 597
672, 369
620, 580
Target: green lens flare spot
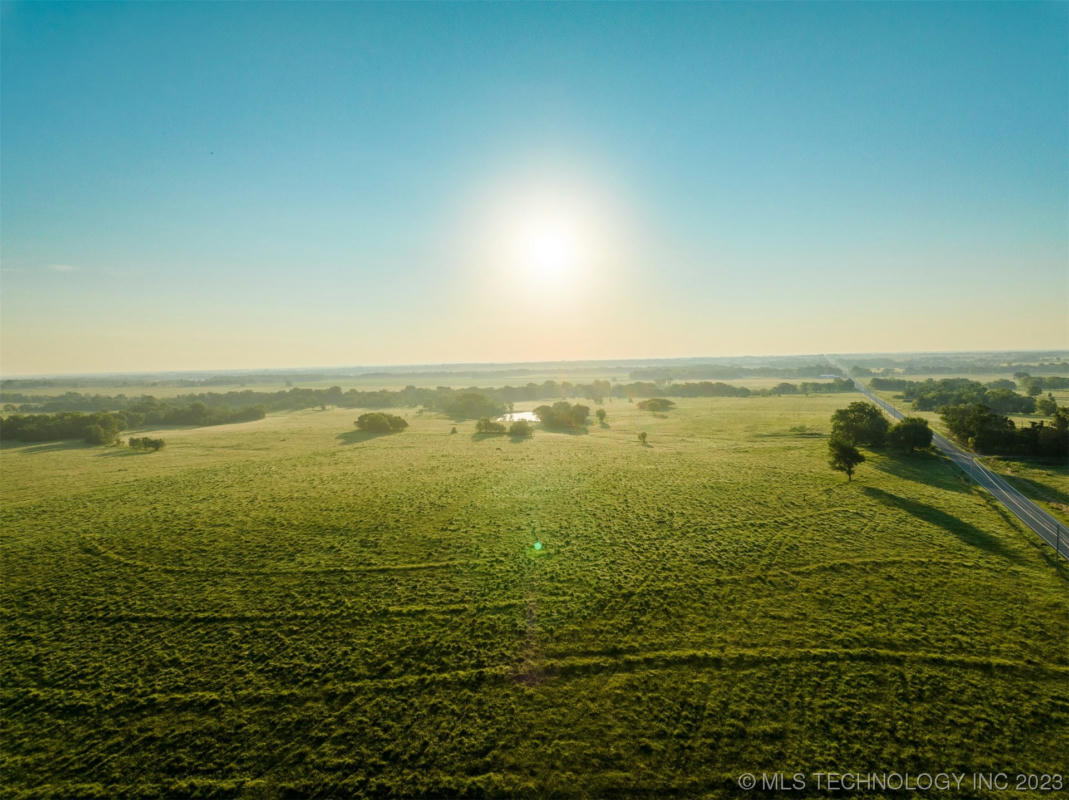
537, 545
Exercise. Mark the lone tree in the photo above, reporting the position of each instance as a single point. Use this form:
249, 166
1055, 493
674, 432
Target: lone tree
600, 415
843, 456
860, 423
912, 433
642, 437
378, 422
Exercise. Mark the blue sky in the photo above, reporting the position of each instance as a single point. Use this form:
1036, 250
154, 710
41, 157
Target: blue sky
192, 186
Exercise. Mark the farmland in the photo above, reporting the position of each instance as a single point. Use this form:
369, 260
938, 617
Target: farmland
293, 608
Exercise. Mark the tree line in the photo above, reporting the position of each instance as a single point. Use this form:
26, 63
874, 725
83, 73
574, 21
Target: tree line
1035, 384
99, 428
102, 427
733, 371
988, 432
951, 365
930, 394
464, 403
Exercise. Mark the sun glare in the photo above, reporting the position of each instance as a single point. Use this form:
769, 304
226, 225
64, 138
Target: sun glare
548, 239
548, 251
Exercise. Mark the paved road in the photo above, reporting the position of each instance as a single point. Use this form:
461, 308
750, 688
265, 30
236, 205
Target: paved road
1052, 531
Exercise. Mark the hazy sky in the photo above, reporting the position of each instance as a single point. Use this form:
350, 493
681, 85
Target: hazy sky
243, 185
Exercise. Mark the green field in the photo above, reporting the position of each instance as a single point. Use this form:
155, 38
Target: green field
289, 608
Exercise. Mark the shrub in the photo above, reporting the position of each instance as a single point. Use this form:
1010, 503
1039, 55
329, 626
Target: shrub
378, 422
657, 404
487, 425
521, 427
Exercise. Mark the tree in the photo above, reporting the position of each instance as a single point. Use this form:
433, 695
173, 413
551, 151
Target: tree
912, 433
378, 422
95, 434
601, 415
843, 456
980, 428
860, 423
521, 428
563, 414
1047, 406
642, 437
657, 404
487, 425
471, 405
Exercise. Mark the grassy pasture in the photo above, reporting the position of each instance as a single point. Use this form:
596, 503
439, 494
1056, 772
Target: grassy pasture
288, 608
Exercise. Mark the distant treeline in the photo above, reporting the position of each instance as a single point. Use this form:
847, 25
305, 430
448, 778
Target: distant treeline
950, 364
102, 427
731, 371
469, 403
1031, 384
987, 432
1034, 384
931, 394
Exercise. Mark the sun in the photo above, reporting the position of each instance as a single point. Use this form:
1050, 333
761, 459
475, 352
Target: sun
549, 240
548, 250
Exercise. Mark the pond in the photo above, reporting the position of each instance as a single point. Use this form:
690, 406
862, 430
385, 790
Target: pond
530, 416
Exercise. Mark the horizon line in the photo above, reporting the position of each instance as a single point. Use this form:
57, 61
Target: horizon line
370, 368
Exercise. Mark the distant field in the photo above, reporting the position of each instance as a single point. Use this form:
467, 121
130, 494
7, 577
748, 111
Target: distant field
166, 390
364, 382
287, 608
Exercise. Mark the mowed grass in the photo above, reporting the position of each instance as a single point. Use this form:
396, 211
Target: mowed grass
288, 608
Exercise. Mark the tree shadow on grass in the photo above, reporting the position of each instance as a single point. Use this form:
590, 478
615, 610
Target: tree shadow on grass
923, 467
1034, 488
47, 447
355, 437
123, 452
578, 430
969, 534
